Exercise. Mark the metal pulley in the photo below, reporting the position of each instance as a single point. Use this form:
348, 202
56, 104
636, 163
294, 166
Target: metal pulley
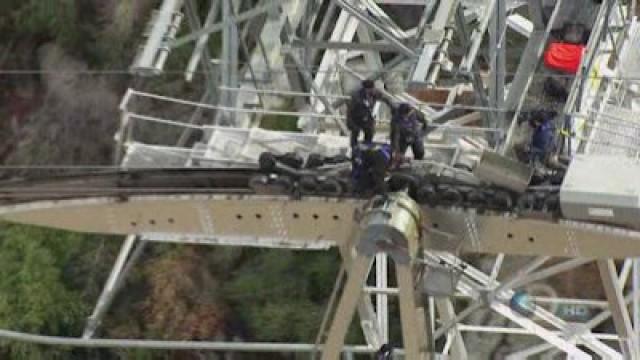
391, 224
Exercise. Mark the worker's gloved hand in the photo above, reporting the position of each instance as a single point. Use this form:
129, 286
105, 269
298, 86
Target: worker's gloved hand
398, 159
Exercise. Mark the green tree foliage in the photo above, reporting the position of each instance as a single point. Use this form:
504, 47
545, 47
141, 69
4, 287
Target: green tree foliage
281, 122
56, 19
281, 295
121, 33
36, 294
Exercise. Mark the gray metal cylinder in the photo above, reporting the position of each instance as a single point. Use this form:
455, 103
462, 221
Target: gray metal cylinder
392, 224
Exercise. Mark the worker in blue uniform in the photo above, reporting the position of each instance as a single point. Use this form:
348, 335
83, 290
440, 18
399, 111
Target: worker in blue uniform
408, 129
369, 166
360, 111
543, 137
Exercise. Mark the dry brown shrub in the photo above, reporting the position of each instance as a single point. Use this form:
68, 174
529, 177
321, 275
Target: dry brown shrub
182, 302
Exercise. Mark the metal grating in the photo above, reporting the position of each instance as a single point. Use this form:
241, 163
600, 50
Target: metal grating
615, 131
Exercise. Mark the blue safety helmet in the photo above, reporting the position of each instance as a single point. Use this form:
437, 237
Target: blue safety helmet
383, 148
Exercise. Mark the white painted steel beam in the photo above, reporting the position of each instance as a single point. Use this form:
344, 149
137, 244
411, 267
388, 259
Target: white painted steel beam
146, 62
618, 307
380, 15
369, 318
412, 316
201, 43
110, 288
327, 105
497, 265
476, 37
498, 62
216, 27
447, 314
433, 40
478, 276
344, 31
477, 81
531, 351
511, 281
351, 293
385, 33
550, 271
343, 45
521, 331
229, 71
382, 300
572, 351
520, 24
627, 266
365, 35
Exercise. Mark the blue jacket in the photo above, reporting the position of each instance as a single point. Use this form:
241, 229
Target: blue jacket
543, 137
359, 166
542, 142
411, 127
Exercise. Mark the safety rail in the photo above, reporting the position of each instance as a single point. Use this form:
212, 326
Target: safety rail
129, 117
226, 146
229, 146
613, 127
594, 112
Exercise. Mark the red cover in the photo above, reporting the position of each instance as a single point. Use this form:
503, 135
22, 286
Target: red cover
564, 57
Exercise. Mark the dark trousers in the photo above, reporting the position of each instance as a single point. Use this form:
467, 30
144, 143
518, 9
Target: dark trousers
371, 176
417, 147
356, 128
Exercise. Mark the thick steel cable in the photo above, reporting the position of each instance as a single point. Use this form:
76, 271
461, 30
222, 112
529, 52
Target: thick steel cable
167, 345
